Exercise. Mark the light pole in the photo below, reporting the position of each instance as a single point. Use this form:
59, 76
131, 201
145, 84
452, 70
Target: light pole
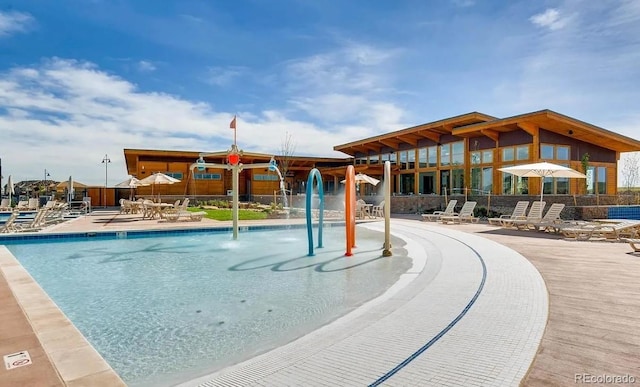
46, 174
106, 160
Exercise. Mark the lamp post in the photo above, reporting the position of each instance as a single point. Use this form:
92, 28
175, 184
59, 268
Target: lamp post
46, 174
106, 160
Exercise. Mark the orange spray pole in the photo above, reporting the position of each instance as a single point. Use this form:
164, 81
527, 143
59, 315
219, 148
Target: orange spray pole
349, 209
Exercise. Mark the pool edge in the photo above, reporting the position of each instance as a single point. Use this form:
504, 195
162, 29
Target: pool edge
74, 359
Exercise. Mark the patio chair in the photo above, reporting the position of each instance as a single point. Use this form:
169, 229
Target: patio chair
5, 205
22, 205
8, 225
519, 212
33, 204
435, 216
36, 224
634, 243
378, 211
465, 215
612, 232
534, 215
547, 222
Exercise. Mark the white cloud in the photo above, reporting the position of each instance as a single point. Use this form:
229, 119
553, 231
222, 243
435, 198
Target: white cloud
146, 66
550, 19
13, 22
64, 115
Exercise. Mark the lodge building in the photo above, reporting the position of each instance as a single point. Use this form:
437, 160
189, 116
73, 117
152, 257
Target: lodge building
453, 155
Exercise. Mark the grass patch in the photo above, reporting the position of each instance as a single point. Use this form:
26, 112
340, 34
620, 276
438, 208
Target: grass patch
225, 214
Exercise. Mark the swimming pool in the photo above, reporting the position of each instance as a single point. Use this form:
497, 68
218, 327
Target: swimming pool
166, 309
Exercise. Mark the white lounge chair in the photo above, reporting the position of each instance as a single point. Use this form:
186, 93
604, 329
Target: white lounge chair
5, 205
465, 215
534, 215
519, 212
435, 216
551, 218
9, 224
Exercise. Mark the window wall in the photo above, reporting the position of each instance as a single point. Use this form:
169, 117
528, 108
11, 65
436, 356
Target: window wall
596, 180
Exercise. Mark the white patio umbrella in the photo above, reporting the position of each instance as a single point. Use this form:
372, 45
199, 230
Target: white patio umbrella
158, 178
11, 190
131, 183
543, 170
361, 177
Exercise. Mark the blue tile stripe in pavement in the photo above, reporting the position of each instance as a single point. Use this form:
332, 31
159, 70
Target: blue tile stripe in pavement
444, 331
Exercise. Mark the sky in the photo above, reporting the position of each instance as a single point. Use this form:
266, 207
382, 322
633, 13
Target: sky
81, 80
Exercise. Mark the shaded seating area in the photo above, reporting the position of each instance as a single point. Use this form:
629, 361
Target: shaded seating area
465, 215
435, 216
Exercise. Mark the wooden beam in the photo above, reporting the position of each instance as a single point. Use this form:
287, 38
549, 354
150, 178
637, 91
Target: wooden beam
388, 142
435, 137
528, 127
492, 134
409, 139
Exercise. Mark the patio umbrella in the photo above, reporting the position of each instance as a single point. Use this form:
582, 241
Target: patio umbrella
131, 183
158, 178
361, 177
543, 170
10, 187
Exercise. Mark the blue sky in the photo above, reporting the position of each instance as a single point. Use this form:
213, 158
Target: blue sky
83, 78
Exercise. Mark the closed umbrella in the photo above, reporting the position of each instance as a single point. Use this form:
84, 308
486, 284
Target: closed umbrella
70, 190
158, 178
11, 190
543, 170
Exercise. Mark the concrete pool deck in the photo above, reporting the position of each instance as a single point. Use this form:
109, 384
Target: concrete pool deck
592, 327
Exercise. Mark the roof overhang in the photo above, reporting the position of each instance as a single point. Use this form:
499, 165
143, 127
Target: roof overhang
431, 131
553, 122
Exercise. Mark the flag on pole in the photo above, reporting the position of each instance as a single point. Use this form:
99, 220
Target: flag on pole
232, 125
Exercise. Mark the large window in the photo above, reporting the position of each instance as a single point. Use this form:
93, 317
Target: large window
482, 157
175, 175
596, 180
433, 156
411, 159
555, 152
457, 177
556, 185
481, 180
452, 154
520, 153
422, 158
514, 185
374, 159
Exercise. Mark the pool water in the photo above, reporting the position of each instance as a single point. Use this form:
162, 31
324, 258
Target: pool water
164, 310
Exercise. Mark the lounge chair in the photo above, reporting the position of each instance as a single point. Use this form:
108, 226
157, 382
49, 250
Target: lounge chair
9, 224
435, 216
22, 205
612, 232
5, 205
634, 243
534, 215
33, 204
465, 215
547, 222
519, 212
36, 224
175, 214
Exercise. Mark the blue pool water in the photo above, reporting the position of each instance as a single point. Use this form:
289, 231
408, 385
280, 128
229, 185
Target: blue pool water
167, 309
